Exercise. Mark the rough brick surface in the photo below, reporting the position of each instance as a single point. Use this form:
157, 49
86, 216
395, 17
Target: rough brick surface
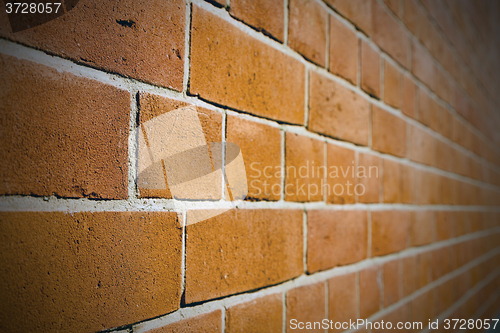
369, 291
370, 69
306, 304
342, 299
61, 135
124, 37
264, 15
341, 177
337, 111
231, 68
344, 50
233, 252
330, 235
207, 322
390, 231
307, 26
388, 132
88, 271
263, 314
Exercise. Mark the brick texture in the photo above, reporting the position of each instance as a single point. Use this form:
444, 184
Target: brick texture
390, 231
207, 322
262, 314
266, 16
344, 49
370, 70
342, 300
388, 132
306, 304
369, 291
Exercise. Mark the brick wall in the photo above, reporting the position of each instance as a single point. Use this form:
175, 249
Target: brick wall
404, 87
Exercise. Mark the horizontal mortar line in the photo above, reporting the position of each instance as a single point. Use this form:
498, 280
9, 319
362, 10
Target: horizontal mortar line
47, 204
483, 308
303, 280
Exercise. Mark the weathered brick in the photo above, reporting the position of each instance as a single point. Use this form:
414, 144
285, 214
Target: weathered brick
409, 93
88, 271
391, 282
341, 175
232, 68
307, 26
261, 314
261, 149
330, 238
389, 35
305, 171
208, 322
342, 299
344, 51
306, 304
369, 291
337, 111
393, 83
264, 15
357, 11
388, 132
390, 231
422, 146
61, 134
422, 228
370, 70
367, 178
231, 252
127, 38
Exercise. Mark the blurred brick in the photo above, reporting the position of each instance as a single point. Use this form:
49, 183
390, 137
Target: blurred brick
422, 228
422, 146
391, 282
336, 111
388, 132
342, 299
423, 66
344, 51
390, 231
409, 93
409, 275
357, 11
231, 252
330, 237
263, 314
393, 84
428, 188
398, 182
306, 304
428, 110
423, 269
341, 175
264, 15
441, 262
422, 308
207, 323
369, 291
231, 68
370, 70
367, 177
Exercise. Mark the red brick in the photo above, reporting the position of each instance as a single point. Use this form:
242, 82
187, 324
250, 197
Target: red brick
422, 146
409, 275
344, 51
367, 178
388, 132
370, 70
264, 15
409, 93
305, 171
231, 252
140, 51
357, 11
88, 271
422, 308
390, 231
423, 269
261, 149
341, 175
422, 228
337, 111
408, 184
394, 6
262, 314
389, 35
307, 26
232, 68
61, 135
330, 238
342, 299
428, 110
369, 291
306, 304
446, 295
398, 182
445, 223
393, 84
423, 66
207, 322
400, 315
391, 282
441, 262
428, 188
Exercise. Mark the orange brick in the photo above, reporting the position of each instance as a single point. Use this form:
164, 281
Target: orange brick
422, 228
263, 15
370, 70
128, 40
422, 308
261, 314
207, 322
306, 304
342, 299
341, 175
305, 168
394, 6
441, 262
307, 26
232, 68
398, 182
369, 291
330, 237
423, 66
261, 149
389, 35
445, 223
357, 11
422, 146
344, 51
337, 111
399, 315
230, 253
409, 93
390, 231
409, 275
428, 110
388, 132
423, 269
61, 135
393, 83
367, 178
428, 188
408, 184
447, 295
118, 267
391, 282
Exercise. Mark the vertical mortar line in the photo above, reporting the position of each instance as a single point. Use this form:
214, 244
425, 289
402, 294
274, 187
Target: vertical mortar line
183, 252
369, 234
304, 226
284, 313
326, 302
223, 314
327, 51
187, 49
223, 157
132, 145
228, 4
283, 165
358, 303
285, 31
306, 99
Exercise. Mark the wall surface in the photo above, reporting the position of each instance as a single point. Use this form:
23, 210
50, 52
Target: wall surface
370, 135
